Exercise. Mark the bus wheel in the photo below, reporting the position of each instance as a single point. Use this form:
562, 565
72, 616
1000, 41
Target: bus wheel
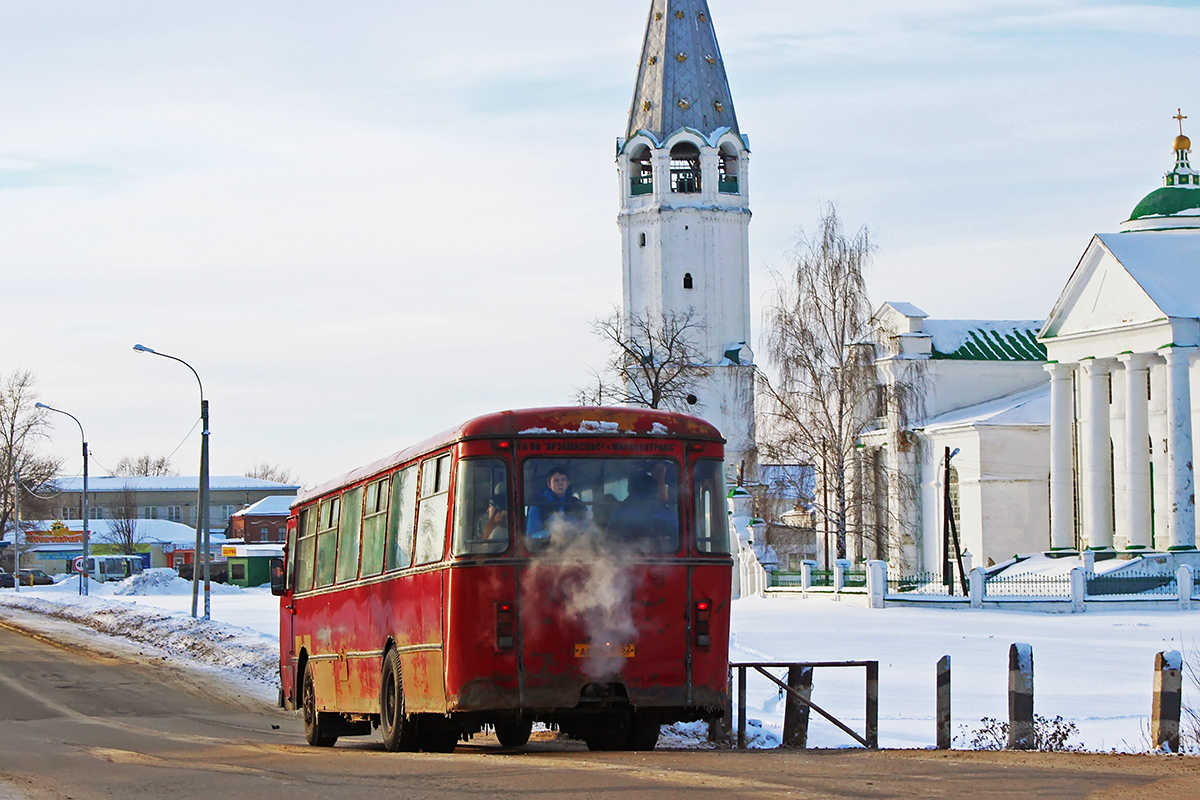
314, 726
607, 734
643, 733
399, 730
514, 733
438, 735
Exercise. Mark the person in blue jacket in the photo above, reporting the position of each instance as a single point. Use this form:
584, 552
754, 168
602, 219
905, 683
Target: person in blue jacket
556, 498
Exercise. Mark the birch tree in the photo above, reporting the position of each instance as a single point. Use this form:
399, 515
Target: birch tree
23, 428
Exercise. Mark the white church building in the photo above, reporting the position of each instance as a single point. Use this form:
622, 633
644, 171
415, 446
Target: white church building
1097, 454
685, 210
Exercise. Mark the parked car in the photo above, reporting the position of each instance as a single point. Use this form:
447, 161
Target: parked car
29, 577
35, 577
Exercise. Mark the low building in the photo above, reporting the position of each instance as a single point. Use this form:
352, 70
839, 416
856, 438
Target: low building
55, 544
249, 564
171, 498
265, 521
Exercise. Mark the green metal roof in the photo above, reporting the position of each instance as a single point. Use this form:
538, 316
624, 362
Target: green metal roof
989, 344
1166, 201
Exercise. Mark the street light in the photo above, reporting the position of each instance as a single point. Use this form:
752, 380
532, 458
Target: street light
202, 513
86, 573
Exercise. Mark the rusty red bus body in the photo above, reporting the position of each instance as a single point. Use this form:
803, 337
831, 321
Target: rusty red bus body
607, 621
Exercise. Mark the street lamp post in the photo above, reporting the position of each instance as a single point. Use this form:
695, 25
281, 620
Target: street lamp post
202, 540
86, 573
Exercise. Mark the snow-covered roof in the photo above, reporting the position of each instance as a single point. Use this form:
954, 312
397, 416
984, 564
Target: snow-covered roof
1022, 409
146, 530
1166, 264
277, 505
986, 339
169, 483
907, 309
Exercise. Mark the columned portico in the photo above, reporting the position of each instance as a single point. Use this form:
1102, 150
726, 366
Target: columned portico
1180, 487
1096, 484
1138, 525
1062, 480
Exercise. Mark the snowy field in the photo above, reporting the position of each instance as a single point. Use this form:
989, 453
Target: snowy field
1093, 669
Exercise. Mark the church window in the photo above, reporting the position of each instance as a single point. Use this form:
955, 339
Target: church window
954, 507
685, 168
687, 280
642, 239
641, 173
727, 166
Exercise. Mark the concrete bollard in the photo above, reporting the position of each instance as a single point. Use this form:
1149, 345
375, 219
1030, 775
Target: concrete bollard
977, 584
806, 568
1168, 701
1021, 732
1183, 580
795, 713
839, 574
943, 703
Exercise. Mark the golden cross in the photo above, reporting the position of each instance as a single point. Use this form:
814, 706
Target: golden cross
1179, 116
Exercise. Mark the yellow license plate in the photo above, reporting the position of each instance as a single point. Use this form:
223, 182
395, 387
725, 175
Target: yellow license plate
605, 650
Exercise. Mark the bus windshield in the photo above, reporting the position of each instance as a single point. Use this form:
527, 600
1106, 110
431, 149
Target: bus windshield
632, 501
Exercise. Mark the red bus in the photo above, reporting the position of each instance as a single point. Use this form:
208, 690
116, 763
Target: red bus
568, 566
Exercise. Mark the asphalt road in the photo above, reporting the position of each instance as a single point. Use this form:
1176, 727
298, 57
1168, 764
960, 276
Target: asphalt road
81, 724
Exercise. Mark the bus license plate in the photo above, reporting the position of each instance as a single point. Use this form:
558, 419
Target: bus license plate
605, 650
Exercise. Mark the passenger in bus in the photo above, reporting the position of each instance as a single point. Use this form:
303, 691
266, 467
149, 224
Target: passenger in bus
556, 498
643, 516
495, 525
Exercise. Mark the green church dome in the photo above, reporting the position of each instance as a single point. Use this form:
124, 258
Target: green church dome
1168, 201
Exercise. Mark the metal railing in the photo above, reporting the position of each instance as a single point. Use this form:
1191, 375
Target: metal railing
1132, 582
685, 181
869, 740
854, 579
786, 578
919, 584
728, 185
1029, 586
641, 184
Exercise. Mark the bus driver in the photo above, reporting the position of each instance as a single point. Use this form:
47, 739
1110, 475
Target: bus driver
556, 498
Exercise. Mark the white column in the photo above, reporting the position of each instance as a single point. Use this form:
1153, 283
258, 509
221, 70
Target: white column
1180, 489
1096, 480
1062, 492
1138, 529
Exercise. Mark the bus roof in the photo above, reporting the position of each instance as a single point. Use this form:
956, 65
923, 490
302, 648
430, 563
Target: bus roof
566, 420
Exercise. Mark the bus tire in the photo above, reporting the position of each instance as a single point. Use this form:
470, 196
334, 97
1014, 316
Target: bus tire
399, 729
514, 733
438, 734
643, 733
607, 734
315, 724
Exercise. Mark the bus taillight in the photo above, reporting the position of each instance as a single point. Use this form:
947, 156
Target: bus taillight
703, 615
504, 626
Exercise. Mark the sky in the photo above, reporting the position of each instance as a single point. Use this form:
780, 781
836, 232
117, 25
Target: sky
365, 222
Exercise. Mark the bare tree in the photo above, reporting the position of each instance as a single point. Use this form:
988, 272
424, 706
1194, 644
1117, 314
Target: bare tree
270, 472
144, 465
23, 426
826, 393
123, 527
654, 361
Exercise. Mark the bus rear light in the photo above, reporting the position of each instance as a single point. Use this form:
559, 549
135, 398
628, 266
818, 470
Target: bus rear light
504, 626
703, 616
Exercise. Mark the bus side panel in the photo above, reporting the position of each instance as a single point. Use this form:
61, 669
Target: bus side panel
710, 665
421, 662
359, 657
479, 676
315, 634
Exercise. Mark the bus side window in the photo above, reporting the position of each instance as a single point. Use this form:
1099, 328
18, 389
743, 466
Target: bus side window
327, 530
374, 527
481, 519
433, 509
709, 514
306, 550
348, 538
400, 519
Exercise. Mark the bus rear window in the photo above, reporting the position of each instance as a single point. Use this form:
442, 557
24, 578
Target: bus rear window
709, 514
481, 520
630, 501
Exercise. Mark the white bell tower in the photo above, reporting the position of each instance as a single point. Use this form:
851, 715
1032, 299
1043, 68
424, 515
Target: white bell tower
685, 210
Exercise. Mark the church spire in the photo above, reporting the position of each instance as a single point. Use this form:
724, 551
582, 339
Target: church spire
681, 79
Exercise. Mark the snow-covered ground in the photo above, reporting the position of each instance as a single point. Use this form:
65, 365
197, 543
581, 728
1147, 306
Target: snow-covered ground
1093, 669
